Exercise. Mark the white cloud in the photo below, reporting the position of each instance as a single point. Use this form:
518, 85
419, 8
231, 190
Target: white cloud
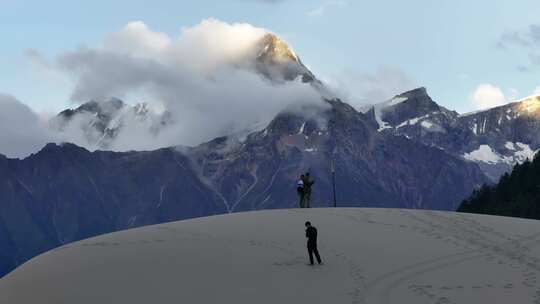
22, 130
488, 96
136, 56
360, 89
325, 6
537, 90
204, 78
137, 39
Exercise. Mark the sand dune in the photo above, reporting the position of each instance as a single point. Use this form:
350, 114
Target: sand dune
370, 256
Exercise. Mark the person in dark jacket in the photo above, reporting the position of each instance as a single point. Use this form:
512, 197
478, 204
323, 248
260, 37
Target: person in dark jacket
311, 234
307, 189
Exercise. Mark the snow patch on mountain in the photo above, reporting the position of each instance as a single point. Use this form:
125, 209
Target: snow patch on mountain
524, 153
426, 124
484, 153
396, 100
471, 113
302, 128
377, 110
509, 145
431, 126
411, 122
520, 153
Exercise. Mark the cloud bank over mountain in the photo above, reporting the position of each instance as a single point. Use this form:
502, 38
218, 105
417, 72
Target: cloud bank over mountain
488, 96
205, 79
361, 89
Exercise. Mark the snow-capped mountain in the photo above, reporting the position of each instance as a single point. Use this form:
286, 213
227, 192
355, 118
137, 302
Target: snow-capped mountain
96, 124
496, 138
65, 193
95, 118
507, 134
278, 62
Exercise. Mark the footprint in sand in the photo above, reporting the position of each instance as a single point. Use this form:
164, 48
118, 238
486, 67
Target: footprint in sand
443, 300
476, 287
509, 285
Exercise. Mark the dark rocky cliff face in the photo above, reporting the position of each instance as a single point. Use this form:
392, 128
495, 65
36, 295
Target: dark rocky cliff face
374, 169
66, 193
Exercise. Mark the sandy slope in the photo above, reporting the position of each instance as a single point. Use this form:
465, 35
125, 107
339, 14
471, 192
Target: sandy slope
370, 255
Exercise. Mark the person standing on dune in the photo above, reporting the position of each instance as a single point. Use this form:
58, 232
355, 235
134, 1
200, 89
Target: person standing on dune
307, 189
311, 235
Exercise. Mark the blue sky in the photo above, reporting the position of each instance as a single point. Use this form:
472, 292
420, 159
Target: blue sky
450, 47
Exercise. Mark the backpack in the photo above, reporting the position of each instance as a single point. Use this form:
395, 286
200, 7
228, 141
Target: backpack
300, 186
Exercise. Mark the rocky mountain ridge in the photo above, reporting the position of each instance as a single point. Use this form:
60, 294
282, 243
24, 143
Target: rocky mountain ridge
65, 193
496, 138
